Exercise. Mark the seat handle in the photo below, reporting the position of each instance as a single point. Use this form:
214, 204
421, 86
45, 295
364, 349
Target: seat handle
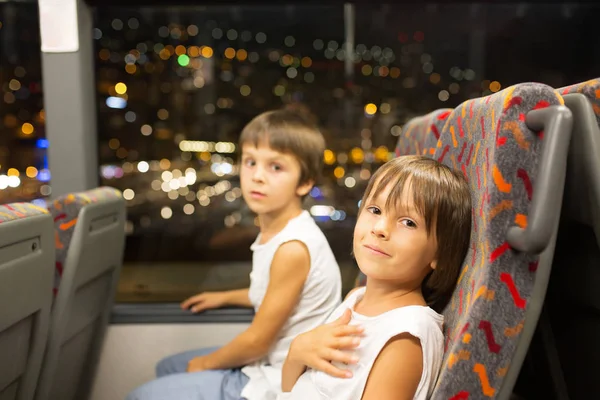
557, 123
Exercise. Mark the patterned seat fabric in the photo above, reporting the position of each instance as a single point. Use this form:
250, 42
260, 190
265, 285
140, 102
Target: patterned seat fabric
421, 132
417, 136
488, 140
65, 211
591, 90
14, 211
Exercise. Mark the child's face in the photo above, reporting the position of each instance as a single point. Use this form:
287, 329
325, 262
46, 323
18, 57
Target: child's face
269, 179
393, 245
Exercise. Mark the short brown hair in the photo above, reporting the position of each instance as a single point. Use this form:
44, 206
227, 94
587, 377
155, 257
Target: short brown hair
290, 132
441, 195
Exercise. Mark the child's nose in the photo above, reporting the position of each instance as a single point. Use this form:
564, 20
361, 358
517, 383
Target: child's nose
258, 175
380, 229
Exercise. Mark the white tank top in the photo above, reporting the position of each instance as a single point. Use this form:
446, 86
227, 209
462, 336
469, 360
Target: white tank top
321, 294
419, 321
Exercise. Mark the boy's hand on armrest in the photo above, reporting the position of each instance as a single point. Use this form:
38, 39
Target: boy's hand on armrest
205, 301
317, 349
210, 300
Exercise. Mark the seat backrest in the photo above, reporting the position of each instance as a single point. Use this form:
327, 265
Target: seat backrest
90, 229
516, 176
573, 298
26, 268
590, 89
586, 115
420, 133
417, 136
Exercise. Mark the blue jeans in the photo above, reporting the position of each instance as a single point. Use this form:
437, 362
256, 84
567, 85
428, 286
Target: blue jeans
174, 383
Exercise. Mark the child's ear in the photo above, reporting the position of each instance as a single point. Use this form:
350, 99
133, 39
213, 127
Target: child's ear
433, 264
304, 188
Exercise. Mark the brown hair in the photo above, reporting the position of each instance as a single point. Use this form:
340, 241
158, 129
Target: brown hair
441, 195
302, 109
290, 132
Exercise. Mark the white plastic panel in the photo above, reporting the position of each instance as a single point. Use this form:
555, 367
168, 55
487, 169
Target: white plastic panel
131, 352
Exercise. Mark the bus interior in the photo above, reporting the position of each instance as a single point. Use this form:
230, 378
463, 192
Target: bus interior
120, 192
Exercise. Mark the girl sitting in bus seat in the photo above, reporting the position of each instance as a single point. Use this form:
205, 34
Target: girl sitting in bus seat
385, 340
295, 278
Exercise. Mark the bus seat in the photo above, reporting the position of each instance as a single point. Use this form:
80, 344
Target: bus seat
417, 135
512, 147
584, 101
26, 270
90, 241
421, 132
590, 89
573, 300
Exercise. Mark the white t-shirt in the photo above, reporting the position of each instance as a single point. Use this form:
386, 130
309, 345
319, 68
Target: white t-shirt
321, 294
419, 321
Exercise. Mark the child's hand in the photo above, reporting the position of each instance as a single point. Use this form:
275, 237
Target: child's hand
205, 301
197, 364
318, 348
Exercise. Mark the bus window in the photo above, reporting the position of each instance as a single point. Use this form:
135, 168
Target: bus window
175, 86
24, 174
174, 89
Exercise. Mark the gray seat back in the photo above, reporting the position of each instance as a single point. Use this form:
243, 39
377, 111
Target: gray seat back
26, 272
90, 244
573, 297
512, 146
420, 134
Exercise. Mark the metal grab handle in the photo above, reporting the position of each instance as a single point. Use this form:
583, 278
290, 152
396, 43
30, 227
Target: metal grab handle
557, 123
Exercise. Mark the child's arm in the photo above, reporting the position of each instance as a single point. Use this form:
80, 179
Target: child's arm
209, 300
396, 373
292, 369
288, 273
239, 298
318, 348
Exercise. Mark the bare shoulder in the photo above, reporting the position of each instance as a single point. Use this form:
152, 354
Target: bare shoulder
397, 370
290, 256
293, 249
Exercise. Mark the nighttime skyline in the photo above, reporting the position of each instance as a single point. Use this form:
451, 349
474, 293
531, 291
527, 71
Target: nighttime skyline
165, 88
174, 87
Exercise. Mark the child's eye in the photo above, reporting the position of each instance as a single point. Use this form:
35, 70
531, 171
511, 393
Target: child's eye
409, 223
249, 162
374, 210
276, 167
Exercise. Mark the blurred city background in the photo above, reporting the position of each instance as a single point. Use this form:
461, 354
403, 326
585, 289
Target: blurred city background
175, 86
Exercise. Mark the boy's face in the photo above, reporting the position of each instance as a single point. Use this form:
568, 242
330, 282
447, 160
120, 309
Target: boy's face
269, 179
393, 245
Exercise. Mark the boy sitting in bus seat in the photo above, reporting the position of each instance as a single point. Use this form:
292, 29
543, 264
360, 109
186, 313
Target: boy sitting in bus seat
295, 278
385, 341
